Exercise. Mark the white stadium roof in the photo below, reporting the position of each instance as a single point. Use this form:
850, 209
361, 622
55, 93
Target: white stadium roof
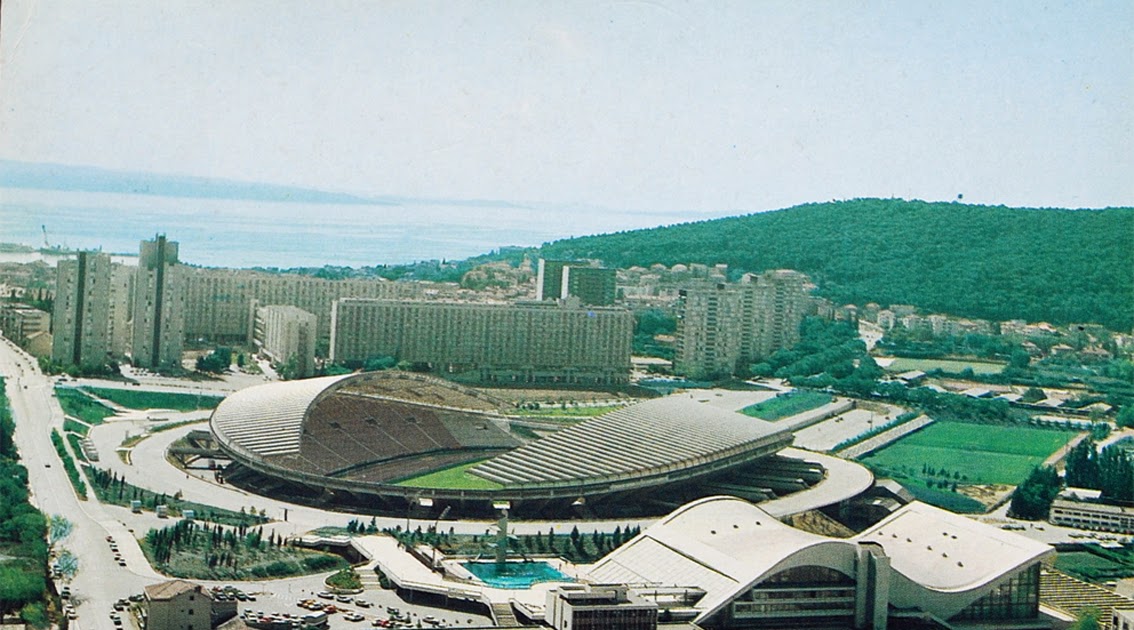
268, 419
671, 433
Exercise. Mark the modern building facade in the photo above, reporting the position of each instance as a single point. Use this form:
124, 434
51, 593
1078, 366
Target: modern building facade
521, 342
585, 607
80, 335
596, 286
159, 306
286, 334
920, 567
721, 328
1096, 516
560, 279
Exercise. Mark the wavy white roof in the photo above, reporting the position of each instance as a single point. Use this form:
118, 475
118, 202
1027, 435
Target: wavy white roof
725, 545
719, 544
944, 551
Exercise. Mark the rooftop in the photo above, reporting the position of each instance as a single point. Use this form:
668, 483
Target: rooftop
682, 433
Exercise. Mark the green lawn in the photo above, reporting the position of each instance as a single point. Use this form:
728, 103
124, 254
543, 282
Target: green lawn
455, 477
950, 366
138, 399
787, 405
979, 453
76, 403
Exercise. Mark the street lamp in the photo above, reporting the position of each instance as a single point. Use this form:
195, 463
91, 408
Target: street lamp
436, 538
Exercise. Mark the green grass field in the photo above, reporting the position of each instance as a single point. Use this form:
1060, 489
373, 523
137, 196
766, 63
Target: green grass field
455, 477
76, 403
155, 400
950, 366
787, 405
980, 453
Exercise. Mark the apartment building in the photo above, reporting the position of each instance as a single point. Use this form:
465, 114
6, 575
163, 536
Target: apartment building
159, 306
219, 302
722, 327
82, 311
286, 333
518, 342
591, 284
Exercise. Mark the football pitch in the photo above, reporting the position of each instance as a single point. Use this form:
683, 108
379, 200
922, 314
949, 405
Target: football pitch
972, 453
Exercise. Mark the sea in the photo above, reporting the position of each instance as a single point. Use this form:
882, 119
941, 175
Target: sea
241, 233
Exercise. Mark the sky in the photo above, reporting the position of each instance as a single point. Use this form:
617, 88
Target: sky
699, 109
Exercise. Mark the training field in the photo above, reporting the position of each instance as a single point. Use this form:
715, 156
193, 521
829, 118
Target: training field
979, 453
951, 366
786, 405
155, 400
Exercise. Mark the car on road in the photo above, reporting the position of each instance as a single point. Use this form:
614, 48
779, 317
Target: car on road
325, 595
346, 599
358, 601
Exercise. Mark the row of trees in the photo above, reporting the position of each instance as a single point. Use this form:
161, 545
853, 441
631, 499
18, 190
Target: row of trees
829, 355
1110, 470
23, 533
221, 545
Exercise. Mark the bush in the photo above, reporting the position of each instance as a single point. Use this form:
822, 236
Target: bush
319, 563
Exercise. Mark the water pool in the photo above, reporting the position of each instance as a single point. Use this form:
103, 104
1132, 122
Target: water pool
515, 575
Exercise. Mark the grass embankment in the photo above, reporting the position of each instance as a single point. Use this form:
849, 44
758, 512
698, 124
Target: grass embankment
77, 404
454, 477
787, 405
140, 399
948, 366
112, 489
933, 461
194, 550
69, 465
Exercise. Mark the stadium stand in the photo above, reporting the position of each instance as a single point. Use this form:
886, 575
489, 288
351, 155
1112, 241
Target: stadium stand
666, 434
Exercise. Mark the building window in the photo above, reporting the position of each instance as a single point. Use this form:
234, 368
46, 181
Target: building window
1015, 598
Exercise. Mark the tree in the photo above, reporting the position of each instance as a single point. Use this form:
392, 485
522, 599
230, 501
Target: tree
18, 587
1082, 465
216, 361
1125, 417
1032, 499
1088, 619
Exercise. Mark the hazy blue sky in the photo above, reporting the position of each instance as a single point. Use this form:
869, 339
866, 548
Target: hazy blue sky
662, 106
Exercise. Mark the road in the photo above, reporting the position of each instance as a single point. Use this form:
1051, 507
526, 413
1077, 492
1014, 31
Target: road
100, 581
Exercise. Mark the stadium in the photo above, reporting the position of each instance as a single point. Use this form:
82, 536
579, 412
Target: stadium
394, 443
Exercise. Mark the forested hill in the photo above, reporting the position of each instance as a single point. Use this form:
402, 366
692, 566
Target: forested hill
1061, 266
